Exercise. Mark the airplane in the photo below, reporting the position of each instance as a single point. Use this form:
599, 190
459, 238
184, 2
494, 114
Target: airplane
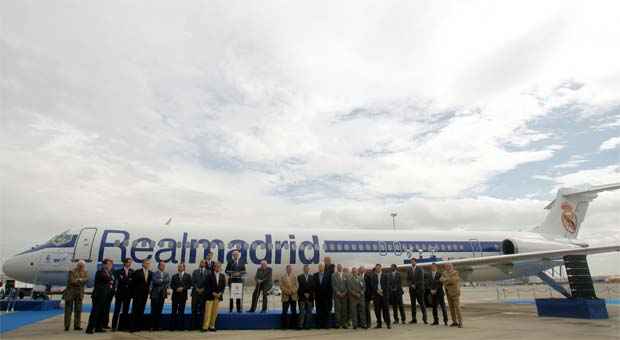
479, 256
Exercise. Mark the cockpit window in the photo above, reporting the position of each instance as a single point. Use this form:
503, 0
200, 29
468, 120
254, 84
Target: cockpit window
61, 239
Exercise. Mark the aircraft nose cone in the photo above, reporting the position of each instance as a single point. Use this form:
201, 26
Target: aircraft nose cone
10, 267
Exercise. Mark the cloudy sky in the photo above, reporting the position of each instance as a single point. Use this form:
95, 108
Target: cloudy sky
325, 114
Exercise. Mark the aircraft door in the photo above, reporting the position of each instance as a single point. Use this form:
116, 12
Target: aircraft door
382, 248
476, 247
84, 245
398, 249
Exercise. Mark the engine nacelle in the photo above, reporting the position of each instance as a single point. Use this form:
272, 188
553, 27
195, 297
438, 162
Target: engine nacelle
516, 246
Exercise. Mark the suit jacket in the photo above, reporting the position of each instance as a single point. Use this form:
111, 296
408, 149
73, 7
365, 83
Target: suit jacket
305, 287
396, 283
199, 281
386, 285
264, 277
356, 287
141, 284
104, 285
289, 287
232, 268
435, 283
339, 285
323, 288
123, 282
180, 281
159, 285
76, 281
215, 285
209, 265
415, 277
368, 285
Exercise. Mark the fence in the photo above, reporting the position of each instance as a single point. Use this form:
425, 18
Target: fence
530, 292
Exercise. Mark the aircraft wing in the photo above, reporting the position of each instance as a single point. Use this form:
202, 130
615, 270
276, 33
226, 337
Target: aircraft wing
508, 262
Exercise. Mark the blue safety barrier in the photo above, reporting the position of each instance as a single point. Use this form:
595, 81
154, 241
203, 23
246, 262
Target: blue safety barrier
32, 305
572, 308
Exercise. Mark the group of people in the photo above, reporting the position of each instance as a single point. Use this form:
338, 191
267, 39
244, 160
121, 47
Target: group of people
129, 287
347, 291
350, 292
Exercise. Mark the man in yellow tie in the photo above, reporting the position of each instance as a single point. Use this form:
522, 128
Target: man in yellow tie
216, 284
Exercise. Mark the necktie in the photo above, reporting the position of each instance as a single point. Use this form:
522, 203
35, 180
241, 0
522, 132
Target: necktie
379, 279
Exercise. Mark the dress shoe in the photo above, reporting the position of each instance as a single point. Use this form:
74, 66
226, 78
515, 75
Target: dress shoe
435, 323
425, 322
396, 321
389, 327
66, 329
413, 321
454, 324
378, 326
212, 330
77, 329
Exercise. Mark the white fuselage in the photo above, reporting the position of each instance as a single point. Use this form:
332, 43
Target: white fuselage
48, 263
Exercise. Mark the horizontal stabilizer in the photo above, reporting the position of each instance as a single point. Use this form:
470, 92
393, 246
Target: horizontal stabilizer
593, 190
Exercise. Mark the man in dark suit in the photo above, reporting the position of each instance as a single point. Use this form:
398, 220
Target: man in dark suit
209, 263
122, 299
159, 292
330, 269
105, 323
305, 294
415, 280
366, 276
235, 270
381, 285
323, 296
180, 283
141, 282
104, 285
264, 282
199, 294
437, 295
216, 284
396, 295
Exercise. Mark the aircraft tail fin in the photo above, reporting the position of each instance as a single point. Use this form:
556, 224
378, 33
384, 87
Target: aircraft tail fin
568, 210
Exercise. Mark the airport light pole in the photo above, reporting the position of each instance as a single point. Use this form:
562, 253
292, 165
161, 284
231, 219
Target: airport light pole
394, 220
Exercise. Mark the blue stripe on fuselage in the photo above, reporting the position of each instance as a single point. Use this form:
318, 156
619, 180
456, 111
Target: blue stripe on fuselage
378, 246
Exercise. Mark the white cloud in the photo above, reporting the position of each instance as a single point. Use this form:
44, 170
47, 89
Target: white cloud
595, 176
280, 114
610, 144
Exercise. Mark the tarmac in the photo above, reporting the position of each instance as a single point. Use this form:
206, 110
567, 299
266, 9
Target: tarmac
481, 321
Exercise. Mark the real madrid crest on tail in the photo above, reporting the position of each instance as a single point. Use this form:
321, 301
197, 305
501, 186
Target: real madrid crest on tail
568, 210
